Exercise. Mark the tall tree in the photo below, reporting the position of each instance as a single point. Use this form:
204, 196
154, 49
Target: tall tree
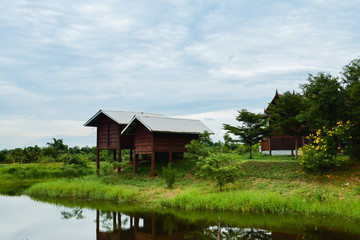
351, 79
326, 99
284, 116
252, 128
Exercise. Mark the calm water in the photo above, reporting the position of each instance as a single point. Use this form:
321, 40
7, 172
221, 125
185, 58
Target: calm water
24, 218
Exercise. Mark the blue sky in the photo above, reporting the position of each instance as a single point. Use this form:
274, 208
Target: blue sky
62, 61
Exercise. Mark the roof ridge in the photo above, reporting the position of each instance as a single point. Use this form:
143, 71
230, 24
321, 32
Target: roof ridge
172, 118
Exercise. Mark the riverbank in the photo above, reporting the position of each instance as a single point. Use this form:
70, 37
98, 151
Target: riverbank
266, 186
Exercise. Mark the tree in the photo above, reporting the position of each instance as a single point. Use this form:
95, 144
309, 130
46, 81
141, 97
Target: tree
351, 79
326, 99
219, 167
284, 116
56, 148
199, 148
251, 130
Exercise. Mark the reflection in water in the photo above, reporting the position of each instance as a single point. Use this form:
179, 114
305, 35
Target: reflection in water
112, 225
23, 218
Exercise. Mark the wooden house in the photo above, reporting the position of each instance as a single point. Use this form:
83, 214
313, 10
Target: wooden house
142, 133
109, 125
154, 134
280, 144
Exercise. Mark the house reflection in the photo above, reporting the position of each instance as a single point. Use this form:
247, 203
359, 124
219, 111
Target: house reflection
112, 225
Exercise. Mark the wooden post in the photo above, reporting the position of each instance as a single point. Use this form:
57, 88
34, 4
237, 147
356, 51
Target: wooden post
119, 221
135, 162
153, 164
270, 146
119, 159
97, 223
114, 221
114, 155
97, 161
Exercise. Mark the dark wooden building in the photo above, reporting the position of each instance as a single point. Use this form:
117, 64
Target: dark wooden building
153, 134
109, 125
280, 144
143, 133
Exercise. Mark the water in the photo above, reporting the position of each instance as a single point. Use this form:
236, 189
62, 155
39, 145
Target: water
24, 218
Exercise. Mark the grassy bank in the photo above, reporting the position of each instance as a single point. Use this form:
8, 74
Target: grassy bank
267, 185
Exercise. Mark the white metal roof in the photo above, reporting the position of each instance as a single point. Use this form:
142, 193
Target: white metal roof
166, 124
121, 117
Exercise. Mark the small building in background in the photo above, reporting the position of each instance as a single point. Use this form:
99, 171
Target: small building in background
280, 144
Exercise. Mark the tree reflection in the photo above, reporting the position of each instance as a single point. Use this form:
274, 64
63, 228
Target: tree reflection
230, 233
74, 213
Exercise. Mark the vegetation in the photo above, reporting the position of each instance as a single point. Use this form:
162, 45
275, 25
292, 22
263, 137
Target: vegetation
221, 168
169, 174
252, 130
284, 116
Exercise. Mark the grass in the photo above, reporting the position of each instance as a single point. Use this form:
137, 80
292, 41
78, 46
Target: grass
268, 185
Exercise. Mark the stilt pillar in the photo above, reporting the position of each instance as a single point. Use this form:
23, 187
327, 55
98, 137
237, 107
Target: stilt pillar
97, 161
119, 159
153, 164
135, 162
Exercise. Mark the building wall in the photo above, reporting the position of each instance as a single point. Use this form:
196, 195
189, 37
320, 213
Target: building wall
283, 142
108, 135
143, 140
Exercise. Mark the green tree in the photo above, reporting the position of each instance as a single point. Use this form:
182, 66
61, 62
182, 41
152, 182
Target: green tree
252, 128
221, 168
326, 100
56, 148
199, 148
284, 116
351, 79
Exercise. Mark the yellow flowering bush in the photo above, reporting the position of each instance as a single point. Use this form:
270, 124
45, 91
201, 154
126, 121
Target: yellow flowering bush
324, 146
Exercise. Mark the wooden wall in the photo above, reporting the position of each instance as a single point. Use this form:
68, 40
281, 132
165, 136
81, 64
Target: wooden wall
283, 142
143, 140
146, 142
108, 135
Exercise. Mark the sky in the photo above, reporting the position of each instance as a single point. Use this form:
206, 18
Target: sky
62, 61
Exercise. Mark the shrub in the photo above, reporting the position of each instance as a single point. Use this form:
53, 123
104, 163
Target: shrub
221, 168
322, 151
170, 175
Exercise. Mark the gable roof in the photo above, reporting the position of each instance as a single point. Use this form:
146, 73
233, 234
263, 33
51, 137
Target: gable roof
169, 125
121, 117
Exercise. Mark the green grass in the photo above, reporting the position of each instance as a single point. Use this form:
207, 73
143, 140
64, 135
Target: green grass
275, 185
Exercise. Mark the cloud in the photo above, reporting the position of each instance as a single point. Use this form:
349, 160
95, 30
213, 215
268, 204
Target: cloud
65, 60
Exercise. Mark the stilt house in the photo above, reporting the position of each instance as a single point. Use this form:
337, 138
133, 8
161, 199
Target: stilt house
143, 133
281, 144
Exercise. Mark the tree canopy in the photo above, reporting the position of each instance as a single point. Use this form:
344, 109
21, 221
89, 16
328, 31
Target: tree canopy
252, 129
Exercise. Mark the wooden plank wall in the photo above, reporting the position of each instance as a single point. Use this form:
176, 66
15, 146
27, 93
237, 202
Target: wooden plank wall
108, 133
143, 140
174, 142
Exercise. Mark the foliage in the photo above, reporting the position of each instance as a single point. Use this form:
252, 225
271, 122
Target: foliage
351, 81
325, 96
170, 175
221, 168
252, 129
321, 153
284, 116
199, 148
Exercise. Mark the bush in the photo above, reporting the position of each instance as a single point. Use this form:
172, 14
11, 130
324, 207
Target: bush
221, 168
170, 175
321, 153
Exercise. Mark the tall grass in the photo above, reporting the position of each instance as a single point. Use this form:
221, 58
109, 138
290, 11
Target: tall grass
265, 202
88, 189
